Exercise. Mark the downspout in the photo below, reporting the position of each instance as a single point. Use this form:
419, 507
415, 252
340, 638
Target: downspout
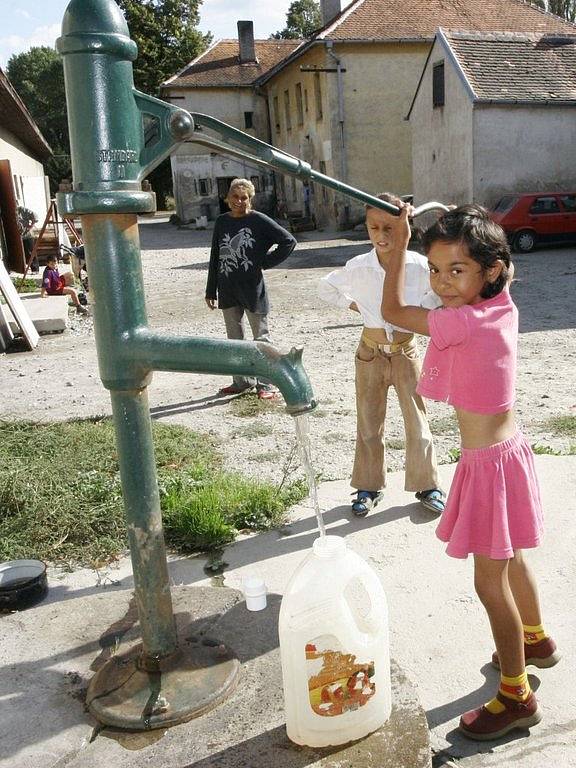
259, 91
343, 157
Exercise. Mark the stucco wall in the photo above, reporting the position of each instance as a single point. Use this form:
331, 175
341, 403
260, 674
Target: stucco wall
379, 84
442, 138
21, 163
524, 149
312, 140
192, 162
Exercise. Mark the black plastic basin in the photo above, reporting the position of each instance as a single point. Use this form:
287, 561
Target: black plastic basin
22, 584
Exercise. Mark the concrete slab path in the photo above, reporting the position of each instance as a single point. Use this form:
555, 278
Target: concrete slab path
439, 638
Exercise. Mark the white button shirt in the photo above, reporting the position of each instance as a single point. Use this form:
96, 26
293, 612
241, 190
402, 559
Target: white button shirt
362, 280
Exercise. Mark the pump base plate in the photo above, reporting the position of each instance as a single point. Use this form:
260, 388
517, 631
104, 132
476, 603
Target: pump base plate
134, 692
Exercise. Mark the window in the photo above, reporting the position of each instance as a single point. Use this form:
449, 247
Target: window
287, 110
299, 104
438, 85
569, 202
256, 182
318, 95
505, 203
306, 100
204, 187
545, 205
276, 113
248, 120
294, 192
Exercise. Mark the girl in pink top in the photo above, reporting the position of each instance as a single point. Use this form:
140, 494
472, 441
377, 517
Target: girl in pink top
493, 509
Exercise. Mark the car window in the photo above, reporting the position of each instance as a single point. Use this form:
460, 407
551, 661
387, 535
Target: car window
504, 204
545, 205
569, 202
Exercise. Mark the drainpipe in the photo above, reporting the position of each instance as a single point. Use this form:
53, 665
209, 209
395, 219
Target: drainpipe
340, 91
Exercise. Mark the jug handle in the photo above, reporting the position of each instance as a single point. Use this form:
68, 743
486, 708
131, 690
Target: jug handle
374, 618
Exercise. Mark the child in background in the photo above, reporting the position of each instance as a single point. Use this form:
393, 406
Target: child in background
493, 509
55, 284
386, 356
240, 251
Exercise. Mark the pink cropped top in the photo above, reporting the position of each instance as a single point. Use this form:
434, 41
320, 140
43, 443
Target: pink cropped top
471, 357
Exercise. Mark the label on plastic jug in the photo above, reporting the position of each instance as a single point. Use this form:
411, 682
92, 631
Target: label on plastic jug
337, 683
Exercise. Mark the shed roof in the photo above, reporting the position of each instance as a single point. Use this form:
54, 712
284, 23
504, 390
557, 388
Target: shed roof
14, 116
380, 20
524, 68
219, 65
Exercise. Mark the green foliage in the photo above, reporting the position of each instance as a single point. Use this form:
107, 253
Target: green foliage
545, 450
25, 286
61, 499
302, 20
167, 37
38, 77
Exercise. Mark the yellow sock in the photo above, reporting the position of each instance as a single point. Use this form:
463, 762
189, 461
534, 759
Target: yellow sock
517, 688
533, 635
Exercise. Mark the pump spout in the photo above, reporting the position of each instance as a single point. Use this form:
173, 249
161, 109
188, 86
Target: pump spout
149, 350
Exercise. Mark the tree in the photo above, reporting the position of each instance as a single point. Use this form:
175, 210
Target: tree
302, 20
167, 37
38, 77
566, 9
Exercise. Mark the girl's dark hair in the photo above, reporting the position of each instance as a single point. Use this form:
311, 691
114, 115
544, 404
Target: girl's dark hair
485, 240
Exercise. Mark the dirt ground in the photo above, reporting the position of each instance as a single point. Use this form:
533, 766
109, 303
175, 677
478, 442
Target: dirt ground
59, 379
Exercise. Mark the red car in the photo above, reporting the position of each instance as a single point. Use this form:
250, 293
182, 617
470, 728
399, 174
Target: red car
537, 218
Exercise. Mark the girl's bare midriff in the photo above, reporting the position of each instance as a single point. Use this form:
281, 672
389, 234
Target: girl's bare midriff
378, 336
479, 430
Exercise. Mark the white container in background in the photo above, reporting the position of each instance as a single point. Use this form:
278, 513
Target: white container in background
255, 593
333, 631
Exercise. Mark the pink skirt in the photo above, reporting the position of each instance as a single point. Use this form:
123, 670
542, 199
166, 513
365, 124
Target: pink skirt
494, 504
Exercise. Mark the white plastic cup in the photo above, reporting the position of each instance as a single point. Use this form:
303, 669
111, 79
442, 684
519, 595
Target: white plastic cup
255, 593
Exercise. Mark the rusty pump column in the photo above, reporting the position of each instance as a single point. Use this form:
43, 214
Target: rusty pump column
117, 135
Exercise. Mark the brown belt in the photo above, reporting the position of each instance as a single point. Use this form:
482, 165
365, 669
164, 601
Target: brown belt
388, 348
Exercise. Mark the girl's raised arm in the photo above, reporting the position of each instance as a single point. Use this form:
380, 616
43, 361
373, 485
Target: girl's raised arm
394, 308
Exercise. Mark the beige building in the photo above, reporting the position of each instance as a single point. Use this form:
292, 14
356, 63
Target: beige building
222, 82
339, 100
493, 114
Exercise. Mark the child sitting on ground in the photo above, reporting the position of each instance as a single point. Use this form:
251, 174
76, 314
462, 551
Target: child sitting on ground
386, 356
55, 284
493, 509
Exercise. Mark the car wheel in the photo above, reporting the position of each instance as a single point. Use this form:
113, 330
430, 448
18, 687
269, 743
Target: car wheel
524, 241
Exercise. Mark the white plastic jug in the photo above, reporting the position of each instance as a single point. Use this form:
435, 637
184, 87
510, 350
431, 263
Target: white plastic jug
334, 647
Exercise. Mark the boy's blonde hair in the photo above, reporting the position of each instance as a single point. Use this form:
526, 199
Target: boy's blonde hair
388, 197
245, 184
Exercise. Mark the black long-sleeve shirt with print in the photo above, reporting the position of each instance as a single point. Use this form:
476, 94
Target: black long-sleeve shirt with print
240, 251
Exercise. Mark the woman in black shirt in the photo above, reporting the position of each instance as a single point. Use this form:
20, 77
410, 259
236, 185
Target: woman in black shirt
240, 251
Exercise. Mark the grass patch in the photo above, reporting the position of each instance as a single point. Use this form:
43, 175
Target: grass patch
444, 425
28, 286
545, 450
60, 493
252, 431
395, 444
250, 405
564, 426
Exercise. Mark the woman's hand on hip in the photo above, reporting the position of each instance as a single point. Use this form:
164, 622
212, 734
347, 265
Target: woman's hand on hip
211, 303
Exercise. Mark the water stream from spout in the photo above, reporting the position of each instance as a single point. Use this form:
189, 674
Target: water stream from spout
303, 436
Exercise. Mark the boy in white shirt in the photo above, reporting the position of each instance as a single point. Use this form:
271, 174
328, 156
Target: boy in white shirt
386, 356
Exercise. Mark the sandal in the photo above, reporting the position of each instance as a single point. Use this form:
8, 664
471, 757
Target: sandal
432, 500
364, 502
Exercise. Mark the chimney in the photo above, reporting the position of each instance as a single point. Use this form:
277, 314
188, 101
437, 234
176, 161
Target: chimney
330, 9
246, 42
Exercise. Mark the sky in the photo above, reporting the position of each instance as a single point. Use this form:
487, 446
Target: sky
28, 23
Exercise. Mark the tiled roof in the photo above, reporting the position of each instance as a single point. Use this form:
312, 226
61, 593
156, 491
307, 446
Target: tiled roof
527, 68
15, 118
220, 64
417, 19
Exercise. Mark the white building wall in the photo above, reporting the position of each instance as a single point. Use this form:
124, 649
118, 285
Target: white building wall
523, 149
442, 138
192, 162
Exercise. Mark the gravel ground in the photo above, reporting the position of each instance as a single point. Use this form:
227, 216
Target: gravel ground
59, 379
